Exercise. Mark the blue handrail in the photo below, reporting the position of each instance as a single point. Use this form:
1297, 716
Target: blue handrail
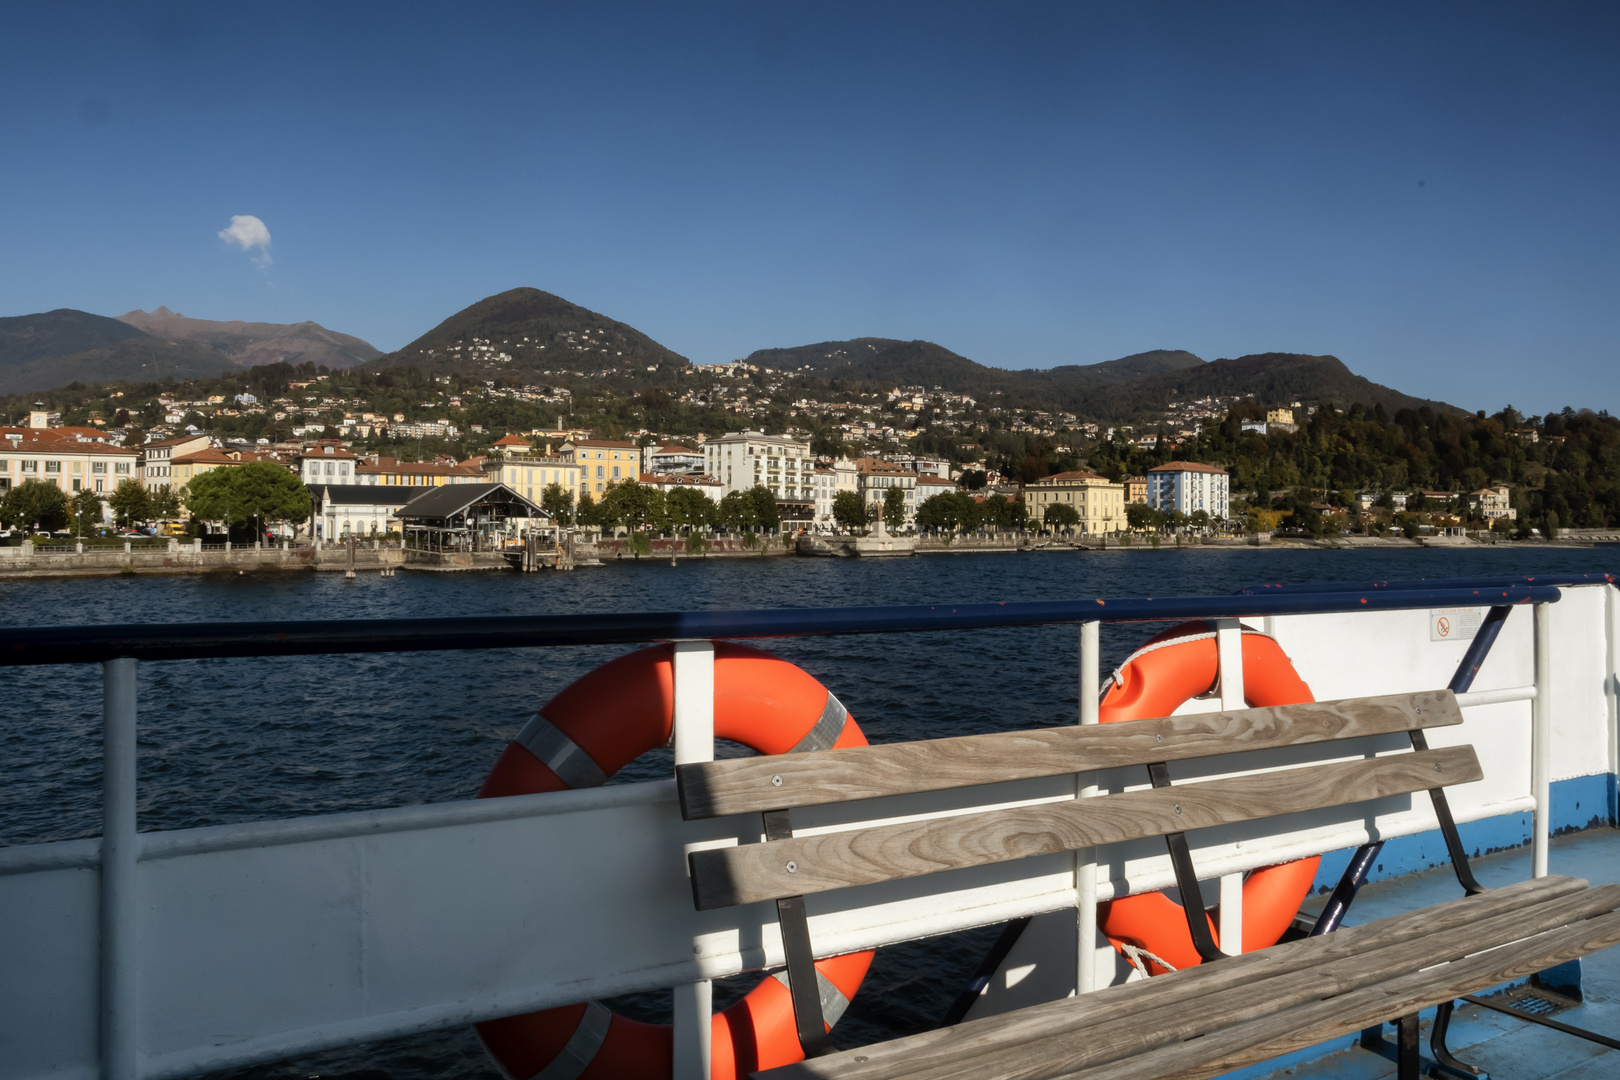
1429, 583
190, 641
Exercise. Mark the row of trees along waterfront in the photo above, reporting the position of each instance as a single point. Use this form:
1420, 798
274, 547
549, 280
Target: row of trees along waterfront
631, 505
259, 492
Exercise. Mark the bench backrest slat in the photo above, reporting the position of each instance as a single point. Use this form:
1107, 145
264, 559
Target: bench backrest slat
780, 782
735, 875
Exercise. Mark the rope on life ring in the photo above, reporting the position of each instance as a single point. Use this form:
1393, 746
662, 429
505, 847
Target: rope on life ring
1175, 666
593, 728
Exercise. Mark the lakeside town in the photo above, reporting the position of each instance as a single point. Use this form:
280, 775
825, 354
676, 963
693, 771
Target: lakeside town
325, 484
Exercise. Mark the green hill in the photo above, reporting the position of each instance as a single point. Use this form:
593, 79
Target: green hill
1124, 370
1274, 377
824, 357
57, 348
1115, 391
25, 339
884, 362
535, 332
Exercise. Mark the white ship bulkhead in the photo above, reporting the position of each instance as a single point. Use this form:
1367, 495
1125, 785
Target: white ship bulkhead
252, 942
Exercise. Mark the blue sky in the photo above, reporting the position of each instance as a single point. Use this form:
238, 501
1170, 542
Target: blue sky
1427, 191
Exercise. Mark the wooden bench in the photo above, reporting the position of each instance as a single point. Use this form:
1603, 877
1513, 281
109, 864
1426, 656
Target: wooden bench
1197, 1022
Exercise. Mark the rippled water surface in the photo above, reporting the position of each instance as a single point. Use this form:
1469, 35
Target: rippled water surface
241, 740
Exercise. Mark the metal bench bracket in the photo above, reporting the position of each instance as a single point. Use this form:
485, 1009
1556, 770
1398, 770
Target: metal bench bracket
1192, 903
801, 958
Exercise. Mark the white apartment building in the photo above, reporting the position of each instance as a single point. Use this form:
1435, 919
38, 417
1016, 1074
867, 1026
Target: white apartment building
327, 463
671, 459
741, 459
876, 477
668, 482
833, 477
924, 466
1188, 486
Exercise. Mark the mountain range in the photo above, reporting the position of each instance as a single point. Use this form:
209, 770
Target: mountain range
530, 336
1120, 390
57, 348
249, 344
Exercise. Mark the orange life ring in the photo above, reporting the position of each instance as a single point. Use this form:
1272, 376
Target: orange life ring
1177, 665
593, 728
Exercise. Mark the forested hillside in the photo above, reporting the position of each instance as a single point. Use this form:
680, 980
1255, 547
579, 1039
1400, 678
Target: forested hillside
531, 336
1564, 468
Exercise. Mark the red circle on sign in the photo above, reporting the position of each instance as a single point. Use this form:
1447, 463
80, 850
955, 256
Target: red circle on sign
1444, 626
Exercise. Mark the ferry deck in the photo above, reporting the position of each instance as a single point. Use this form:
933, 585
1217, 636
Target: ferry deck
171, 954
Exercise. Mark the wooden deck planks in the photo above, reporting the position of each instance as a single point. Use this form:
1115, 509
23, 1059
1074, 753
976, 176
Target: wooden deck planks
1148, 1030
989, 1048
1306, 1025
812, 864
747, 785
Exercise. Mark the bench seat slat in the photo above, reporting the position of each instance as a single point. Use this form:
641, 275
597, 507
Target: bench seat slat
991, 1038
750, 785
1068, 1050
1306, 1025
725, 876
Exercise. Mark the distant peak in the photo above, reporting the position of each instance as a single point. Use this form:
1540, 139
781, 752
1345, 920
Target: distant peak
164, 313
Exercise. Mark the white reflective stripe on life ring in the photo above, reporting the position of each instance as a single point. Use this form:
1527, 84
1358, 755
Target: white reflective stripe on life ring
580, 1050
825, 731
560, 754
833, 1001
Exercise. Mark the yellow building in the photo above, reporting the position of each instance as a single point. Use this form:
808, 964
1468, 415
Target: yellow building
74, 459
529, 476
389, 472
1100, 504
187, 467
601, 462
529, 473
157, 458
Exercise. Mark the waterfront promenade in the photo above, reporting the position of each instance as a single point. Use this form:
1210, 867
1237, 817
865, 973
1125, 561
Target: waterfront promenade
191, 557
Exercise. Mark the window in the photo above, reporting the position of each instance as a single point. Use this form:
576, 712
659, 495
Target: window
99, 484
98, 467
53, 466
121, 468
599, 475
615, 472
329, 469
76, 483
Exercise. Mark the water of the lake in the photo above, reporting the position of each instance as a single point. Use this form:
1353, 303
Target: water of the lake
239, 740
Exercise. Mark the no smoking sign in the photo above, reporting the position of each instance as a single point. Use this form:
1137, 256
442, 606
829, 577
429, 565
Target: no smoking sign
1454, 624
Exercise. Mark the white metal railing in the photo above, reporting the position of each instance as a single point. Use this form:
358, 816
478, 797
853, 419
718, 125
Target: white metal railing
122, 852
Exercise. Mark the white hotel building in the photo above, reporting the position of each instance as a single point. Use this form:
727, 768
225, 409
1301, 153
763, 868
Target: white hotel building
741, 459
1188, 486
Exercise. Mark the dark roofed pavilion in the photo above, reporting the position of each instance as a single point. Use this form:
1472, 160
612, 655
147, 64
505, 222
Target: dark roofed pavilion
469, 517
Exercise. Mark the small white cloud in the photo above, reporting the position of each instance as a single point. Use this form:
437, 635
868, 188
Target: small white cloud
250, 234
